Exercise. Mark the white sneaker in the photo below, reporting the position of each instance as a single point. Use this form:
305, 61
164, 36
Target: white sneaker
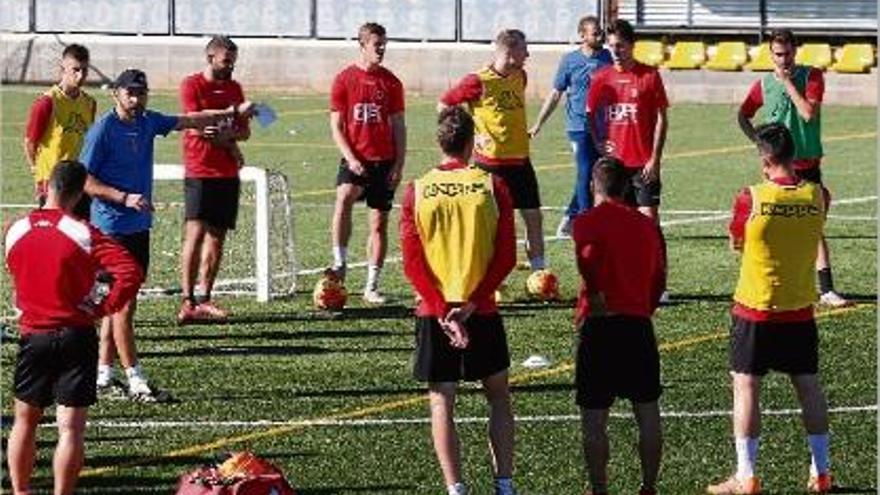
372, 296
564, 227
664, 298
141, 391
833, 299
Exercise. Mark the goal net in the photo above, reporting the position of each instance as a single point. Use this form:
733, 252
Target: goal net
258, 256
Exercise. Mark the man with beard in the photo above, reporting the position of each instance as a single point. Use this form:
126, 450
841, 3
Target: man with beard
211, 185
573, 78
118, 154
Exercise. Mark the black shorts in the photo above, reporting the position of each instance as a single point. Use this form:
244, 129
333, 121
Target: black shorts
520, 180
138, 244
374, 182
617, 357
59, 366
812, 174
790, 347
212, 200
437, 361
641, 193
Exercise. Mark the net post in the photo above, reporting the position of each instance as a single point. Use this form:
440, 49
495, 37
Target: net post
261, 227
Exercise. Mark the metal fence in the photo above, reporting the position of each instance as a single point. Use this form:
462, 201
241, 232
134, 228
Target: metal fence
432, 20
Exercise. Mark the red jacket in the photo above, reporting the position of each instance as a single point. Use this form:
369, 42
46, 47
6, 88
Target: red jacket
54, 260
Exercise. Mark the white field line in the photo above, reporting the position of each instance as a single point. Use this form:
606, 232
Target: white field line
560, 418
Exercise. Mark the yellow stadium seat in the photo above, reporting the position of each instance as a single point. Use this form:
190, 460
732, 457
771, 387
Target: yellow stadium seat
761, 61
649, 52
729, 55
816, 55
687, 55
855, 58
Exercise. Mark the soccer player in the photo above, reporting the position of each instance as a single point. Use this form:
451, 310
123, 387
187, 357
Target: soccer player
626, 108
620, 255
211, 158
573, 78
458, 243
58, 122
54, 259
776, 225
118, 154
369, 129
792, 96
496, 97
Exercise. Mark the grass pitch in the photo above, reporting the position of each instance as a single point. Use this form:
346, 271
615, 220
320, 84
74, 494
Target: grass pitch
330, 398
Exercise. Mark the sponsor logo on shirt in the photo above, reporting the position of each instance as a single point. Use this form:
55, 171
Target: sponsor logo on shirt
368, 113
788, 210
453, 189
622, 112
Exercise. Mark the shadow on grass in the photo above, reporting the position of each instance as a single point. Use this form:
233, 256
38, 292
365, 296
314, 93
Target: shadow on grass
348, 489
271, 335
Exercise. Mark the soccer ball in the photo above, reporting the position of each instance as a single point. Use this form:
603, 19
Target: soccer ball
329, 294
543, 285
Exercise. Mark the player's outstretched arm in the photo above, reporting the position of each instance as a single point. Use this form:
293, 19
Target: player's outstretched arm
205, 118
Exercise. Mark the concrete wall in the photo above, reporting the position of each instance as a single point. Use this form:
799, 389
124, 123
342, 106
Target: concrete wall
308, 66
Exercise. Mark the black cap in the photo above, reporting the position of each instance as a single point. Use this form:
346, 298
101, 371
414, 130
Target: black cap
131, 78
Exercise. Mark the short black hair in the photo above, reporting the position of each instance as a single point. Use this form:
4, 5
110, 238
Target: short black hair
510, 38
774, 140
68, 179
623, 29
455, 129
369, 28
221, 42
76, 52
587, 20
782, 36
609, 177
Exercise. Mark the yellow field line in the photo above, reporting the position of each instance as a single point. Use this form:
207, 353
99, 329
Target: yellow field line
398, 404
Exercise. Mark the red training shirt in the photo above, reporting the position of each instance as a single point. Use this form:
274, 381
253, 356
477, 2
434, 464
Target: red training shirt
621, 254
742, 210
366, 100
625, 104
416, 268
54, 259
202, 158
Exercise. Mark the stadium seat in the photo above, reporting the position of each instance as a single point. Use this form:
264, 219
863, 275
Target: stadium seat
855, 58
816, 55
729, 55
687, 55
649, 52
761, 60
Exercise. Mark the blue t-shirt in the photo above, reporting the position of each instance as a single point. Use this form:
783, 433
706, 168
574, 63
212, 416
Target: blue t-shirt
573, 76
120, 154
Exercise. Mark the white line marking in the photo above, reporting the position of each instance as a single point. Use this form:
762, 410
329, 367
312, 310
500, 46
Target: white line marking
560, 418
849, 201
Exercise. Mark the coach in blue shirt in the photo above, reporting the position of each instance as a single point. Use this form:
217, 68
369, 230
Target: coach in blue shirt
118, 154
573, 78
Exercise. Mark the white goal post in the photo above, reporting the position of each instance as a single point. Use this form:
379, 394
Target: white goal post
264, 270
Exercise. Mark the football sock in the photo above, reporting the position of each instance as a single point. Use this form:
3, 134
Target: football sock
200, 295
826, 282
373, 277
819, 449
135, 373
537, 263
504, 485
105, 374
339, 255
746, 455
457, 489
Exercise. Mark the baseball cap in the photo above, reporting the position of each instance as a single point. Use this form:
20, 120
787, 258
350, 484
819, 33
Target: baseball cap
131, 78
